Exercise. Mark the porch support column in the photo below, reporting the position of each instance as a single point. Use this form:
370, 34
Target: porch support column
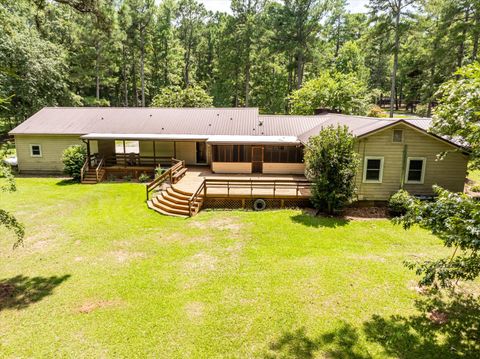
174, 149
87, 142
154, 155
124, 154
88, 153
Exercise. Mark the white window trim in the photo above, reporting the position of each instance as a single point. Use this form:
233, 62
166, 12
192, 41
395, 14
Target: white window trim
380, 177
422, 180
31, 150
393, 135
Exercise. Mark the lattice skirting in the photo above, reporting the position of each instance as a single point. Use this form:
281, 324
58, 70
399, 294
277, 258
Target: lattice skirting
235, 203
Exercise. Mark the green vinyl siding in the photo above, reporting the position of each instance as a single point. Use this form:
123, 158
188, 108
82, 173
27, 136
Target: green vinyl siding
52, 149
449, 173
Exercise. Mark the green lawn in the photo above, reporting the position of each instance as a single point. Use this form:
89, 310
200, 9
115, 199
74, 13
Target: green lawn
474, 176
100, 275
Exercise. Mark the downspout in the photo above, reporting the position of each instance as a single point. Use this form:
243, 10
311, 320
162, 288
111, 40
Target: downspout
87, 142
404, 166
362, 163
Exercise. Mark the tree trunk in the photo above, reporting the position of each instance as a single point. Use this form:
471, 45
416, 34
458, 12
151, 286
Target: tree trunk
165, 65
395, 58
476, 35
461, 49
142, 64
247, 83
125, 80
429, 109
337, 41
400, 95
300, 64
247, 73
134, 79
97, 71
187, 59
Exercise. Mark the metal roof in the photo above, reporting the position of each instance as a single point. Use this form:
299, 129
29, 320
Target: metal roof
196, 123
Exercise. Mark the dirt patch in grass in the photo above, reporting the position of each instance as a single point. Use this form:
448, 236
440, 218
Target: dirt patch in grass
413, 285
366, 213
43, 237
123, 256
184, 239
42, 244
91, 306
194, 310
201, 263
225, 223
369, 257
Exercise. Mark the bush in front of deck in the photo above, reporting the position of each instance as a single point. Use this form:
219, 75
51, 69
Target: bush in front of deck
331, 164
73, 159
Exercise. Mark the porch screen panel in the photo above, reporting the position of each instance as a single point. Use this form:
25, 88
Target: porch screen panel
231, 153
283, 154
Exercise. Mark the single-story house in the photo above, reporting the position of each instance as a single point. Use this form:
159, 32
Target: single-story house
394, 152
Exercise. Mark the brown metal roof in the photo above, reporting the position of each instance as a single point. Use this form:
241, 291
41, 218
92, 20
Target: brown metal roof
83, 120
196, 121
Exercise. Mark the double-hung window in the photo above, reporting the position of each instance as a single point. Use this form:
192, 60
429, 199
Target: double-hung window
415, 170
373, 169
35, 150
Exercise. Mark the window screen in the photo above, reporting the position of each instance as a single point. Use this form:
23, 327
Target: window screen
283, 154
36, 150
415, 170
373, 169
232, 153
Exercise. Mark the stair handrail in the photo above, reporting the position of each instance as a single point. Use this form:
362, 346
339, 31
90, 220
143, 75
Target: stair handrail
194, 197
84, 169
163, 177
99, 167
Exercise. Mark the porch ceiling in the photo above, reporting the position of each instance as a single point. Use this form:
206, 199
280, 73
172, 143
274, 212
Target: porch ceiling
143, 136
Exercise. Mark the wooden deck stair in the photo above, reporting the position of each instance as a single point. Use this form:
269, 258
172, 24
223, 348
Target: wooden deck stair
90, 176
173, 202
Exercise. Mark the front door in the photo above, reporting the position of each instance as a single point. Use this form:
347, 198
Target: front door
201, 152
257, 159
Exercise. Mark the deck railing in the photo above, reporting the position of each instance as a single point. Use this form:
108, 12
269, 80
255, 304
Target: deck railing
100, 165
269, 187
263, 187
136, 160
176, 165
194, 199
90, 162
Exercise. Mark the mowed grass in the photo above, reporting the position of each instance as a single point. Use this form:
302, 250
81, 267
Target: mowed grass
100, 275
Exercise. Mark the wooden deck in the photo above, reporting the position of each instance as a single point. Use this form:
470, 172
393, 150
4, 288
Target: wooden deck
241, 185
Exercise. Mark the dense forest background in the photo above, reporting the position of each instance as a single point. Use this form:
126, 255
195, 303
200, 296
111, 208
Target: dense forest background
267, 54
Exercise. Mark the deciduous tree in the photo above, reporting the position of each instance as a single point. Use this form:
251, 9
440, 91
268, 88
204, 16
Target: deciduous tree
331, 164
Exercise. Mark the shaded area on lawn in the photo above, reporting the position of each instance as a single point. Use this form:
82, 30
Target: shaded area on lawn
20, 291
67, 182
444, 328
318, 221
341, 343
